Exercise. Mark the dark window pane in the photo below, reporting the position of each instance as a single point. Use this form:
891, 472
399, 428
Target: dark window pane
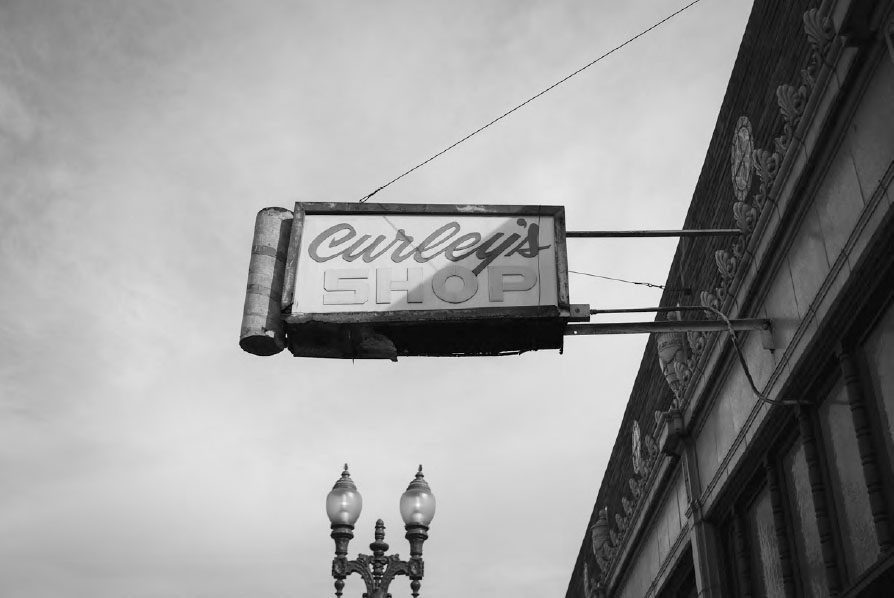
806, 533
730, 569
879, 351
848, 485
765, 569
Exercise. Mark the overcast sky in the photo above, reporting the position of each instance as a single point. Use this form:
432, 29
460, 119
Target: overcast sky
142, 453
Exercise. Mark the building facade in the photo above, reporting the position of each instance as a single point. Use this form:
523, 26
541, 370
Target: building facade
761, 464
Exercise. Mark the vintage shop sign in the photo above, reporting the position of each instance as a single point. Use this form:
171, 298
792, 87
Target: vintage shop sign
398, 261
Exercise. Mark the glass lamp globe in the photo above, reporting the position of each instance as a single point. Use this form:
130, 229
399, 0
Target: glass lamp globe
417, 504
344, 503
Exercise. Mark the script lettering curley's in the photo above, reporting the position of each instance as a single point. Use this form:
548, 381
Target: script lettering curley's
447, 240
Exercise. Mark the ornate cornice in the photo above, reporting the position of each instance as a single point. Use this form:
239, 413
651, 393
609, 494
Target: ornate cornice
682, 356
792, 101
606, 547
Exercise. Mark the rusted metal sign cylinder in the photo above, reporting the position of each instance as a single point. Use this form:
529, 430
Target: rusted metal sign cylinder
262, 328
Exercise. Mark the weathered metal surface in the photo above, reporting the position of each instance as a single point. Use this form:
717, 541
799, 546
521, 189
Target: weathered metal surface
367, 327
291, 273
420, 208
389, 340
262, 330
562, 260
435, 315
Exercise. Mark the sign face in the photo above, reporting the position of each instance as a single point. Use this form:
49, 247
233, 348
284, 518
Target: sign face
400, 263
391, 262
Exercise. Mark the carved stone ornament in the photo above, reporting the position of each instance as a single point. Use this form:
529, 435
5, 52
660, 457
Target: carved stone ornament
684, 374
792, 100
741, 158
738, 247
651, 447
634, 489
820, 34
767, 165
709, 300
726, 263
627, 505
697, 340
636, 455
745, 215
599, 542
647, 467
609, 549
602, 561
819, 30
721, 293
672, 350
591, 590
621, 522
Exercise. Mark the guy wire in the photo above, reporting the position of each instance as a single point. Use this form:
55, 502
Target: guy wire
529, 100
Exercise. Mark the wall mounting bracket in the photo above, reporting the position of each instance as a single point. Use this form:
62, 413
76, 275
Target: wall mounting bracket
667, 326
723, 324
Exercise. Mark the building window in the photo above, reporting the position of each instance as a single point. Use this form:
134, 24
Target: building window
766, 571
804, 527
879, 353
681, 583
858, 536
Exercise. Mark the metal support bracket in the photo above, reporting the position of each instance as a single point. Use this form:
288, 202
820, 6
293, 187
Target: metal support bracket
580, 313
667, 326
606, 234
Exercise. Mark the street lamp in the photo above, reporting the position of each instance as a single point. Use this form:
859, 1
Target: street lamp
343, 506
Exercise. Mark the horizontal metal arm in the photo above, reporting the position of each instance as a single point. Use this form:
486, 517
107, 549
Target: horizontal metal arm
600, 234
636, 310
666, 326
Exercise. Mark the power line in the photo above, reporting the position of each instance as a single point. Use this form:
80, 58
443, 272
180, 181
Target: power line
529, 100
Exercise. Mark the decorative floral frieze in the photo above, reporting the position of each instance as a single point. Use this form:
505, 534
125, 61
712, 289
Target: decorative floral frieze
651, 449
605, 538
820, 34
680, 353
792, 101
745, 215
697, 340
635, 489
599, 538
621, 522
708, 299
589, 591
766, 164
627, 505
726, 263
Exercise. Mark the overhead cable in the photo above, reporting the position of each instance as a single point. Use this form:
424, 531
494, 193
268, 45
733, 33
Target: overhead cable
645, 284
529, 100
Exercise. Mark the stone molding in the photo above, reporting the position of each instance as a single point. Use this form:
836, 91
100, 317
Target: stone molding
797, 105
689, 354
